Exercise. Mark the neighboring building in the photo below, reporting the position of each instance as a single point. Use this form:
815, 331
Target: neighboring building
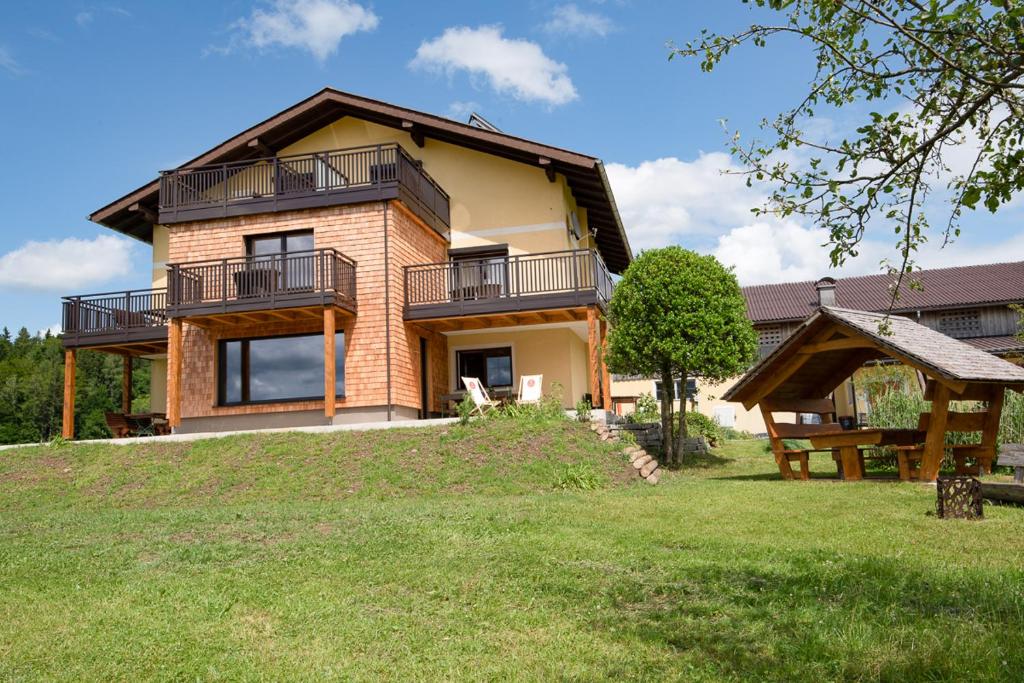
365, 252
970, 303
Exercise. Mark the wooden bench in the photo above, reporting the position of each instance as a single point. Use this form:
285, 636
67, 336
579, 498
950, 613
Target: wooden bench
779, 431
908, 458
118, 425
1012, 455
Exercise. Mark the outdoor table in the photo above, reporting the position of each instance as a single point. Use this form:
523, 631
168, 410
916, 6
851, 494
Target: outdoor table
148, 423
849, 441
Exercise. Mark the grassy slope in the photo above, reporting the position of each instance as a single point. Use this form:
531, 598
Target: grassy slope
356, 556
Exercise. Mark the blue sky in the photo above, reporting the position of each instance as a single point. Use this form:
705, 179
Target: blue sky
96, 98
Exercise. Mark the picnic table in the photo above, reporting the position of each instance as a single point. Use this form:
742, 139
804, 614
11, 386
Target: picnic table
146, 424
848, 443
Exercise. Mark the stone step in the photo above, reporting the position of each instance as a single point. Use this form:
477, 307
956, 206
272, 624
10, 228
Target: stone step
653, 477
648, 469
641, 461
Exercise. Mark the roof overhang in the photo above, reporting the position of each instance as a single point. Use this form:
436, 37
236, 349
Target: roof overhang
832, 344
133, 213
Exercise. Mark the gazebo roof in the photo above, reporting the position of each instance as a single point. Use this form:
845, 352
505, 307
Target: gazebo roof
831, 344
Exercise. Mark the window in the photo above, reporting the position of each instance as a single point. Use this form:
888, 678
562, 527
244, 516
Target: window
479, 272
492, 366
289, 260
691, 389
277, 369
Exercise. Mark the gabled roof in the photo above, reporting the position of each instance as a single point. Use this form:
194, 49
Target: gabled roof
989, 284
585, 174
935, 354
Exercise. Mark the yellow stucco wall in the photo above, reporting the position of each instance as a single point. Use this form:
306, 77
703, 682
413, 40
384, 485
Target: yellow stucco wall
557, 353
158, 385
707, 402
161, 243
493, 200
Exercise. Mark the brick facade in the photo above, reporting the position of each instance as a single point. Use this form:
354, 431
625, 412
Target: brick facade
358, 231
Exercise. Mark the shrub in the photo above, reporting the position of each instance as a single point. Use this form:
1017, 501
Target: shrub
465, 409
583, 410
646, 410
580, 476
730, 434
699, 424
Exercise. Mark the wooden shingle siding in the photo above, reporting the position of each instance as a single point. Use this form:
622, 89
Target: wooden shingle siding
358, 232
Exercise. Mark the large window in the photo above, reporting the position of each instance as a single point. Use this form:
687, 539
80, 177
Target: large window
287, 259
493, 367
691, 389
479, 272
277, 369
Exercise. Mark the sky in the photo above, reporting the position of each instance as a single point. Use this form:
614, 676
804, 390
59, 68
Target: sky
97, 98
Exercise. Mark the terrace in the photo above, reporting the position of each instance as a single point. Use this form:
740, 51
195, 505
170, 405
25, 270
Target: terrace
565, 281
268, 282
132, 321
282, 183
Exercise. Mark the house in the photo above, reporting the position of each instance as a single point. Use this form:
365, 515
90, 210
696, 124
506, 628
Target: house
969, 303
348, 260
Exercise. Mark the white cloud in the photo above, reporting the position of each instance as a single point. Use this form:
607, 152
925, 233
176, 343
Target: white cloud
66, 265
511, 66
692, 203
52, 330
460, 110
313, 25
9, 64
570, 20
84, 18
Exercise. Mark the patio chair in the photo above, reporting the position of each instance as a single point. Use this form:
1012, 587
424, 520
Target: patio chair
530, 389
479, 395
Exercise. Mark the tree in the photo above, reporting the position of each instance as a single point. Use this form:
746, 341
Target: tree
947, 78
675, 315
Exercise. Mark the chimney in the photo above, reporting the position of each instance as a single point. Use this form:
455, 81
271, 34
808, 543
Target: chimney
826, 287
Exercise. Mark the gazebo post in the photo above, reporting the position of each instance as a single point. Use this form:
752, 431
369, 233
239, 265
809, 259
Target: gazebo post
990, 429
935, 437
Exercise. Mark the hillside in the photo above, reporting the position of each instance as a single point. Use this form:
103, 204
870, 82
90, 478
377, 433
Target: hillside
503, 549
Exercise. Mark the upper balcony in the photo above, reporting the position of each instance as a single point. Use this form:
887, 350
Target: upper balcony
283, 183
134, 319
563, 280
266, 282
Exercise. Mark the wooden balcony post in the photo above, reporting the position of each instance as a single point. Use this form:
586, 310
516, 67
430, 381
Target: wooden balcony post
329, 362
68, 426
606, 380
174, 350
593, 343
126, 385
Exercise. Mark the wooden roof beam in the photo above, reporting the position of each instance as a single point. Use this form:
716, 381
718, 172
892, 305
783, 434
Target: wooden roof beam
549, 170
260, 146
415, 132
147, 213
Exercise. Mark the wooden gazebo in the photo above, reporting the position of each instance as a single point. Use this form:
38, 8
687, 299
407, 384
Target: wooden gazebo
800, 375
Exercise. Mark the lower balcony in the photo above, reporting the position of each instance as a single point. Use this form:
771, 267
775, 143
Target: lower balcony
554, 281
244, 285
132, 321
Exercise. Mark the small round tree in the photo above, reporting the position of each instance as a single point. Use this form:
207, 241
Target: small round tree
677, 314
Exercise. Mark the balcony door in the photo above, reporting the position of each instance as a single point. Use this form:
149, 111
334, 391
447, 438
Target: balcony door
479, 272
286, 258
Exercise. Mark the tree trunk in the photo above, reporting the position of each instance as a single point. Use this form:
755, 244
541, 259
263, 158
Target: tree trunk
667, 442
681, 434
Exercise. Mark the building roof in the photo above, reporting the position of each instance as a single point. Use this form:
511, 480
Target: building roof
990, 284
585, 174
937, 355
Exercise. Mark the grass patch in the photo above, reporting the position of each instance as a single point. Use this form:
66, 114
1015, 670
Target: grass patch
468, 552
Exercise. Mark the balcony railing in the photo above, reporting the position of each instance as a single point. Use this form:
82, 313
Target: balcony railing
561, 279
139, 314
266, 281
280, 183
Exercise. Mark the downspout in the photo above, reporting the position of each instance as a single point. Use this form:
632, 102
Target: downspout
387, 307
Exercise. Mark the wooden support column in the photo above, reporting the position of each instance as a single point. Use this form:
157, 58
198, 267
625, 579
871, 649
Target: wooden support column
592, 343
68, 426
606, 380
126, 385
990, 429
935, 437
174, 351
329, 361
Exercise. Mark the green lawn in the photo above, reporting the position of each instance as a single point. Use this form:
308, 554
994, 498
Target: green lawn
456, 553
